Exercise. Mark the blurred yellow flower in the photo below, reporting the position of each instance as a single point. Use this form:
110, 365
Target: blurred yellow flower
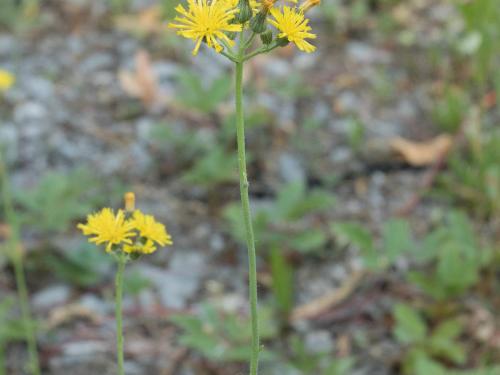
293, 26
108, 228
308, 4
150, 229
129, 199
134, 231
207, 21
6, 80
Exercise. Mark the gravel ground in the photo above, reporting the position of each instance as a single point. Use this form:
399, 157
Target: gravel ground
69, 110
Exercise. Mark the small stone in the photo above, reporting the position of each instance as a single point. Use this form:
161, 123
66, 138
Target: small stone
177, 285
29, 111
39, 88
84, 348
365, 54
51, 296
93, 303
318, 342
291, 169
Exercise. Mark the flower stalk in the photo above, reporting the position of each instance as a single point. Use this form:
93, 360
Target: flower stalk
220, 25
122, 260
245, 205
126, 235
16, 258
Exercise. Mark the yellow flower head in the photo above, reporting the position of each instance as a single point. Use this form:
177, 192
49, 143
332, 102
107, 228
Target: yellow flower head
293, 26
308, 4
133, 231
208, 21
150, 229
6, 80
108, 228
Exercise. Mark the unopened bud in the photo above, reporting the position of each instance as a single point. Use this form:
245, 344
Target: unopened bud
245, 11
282, 42
267, 5
266, 37
258, 23
129, 201
308, 4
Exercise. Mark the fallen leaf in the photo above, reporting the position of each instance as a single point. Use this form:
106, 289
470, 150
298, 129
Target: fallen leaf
5, 231
141, 83
329, 300
146, 22
65, 314
420, 154
489, 100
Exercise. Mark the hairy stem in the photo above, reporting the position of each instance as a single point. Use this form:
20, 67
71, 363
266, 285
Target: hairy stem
245, 204
118, 312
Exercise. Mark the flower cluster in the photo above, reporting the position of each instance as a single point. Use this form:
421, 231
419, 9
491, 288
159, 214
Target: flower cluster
6, 80
215, 22
127, 230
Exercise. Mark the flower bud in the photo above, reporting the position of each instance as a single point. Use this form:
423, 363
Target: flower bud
267, 5
308, 4
245, 11
258, 23
129, 201
266, 37
282, 42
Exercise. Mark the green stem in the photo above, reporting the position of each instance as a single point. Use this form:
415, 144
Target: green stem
25, 310
118, 312
260, 51
2, 358
245, 204
16, 259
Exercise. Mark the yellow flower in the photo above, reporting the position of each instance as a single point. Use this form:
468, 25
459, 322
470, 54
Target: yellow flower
6, 80
294, 26
108, 228
208, 21
151, 230
308, 4
144, 248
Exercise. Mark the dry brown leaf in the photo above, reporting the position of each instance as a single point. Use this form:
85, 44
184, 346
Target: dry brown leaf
329, 300
141, 83
67, 313
5, 231
420, 154
146, 22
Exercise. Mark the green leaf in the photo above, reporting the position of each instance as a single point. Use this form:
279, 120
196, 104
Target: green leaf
84, 266
397, 238
443, 341
56, 200
410, 327
353, 233
282, 281
425, 366
216, 167
193, 93
313, 202
308, 240
340, 366
287, 199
